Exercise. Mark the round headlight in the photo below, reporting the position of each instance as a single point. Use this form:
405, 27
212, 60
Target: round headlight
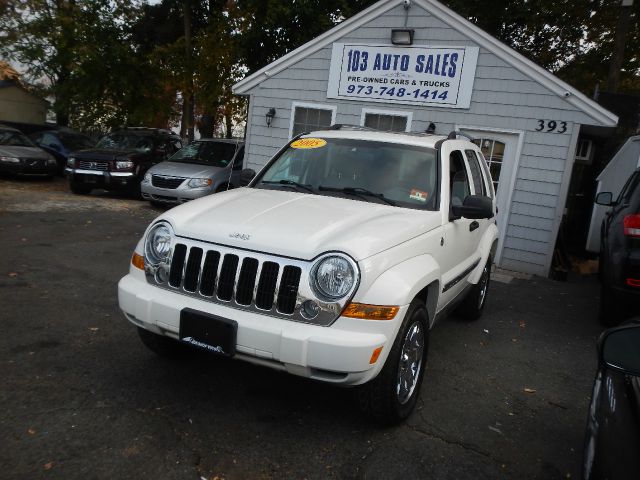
333, 277
157, 246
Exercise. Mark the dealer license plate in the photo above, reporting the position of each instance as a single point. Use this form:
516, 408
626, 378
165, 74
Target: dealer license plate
208, 332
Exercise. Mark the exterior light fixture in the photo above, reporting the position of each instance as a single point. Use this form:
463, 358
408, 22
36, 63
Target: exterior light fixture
431, 128
269, 116
402, 36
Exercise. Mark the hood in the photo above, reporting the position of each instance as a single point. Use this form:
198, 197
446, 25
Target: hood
104, 154
298, 225
181, 169
23, 152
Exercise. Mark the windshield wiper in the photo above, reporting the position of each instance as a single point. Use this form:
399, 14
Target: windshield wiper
289, 183
361, 192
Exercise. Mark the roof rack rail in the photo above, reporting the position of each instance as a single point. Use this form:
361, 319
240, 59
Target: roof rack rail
457, 133
346, 126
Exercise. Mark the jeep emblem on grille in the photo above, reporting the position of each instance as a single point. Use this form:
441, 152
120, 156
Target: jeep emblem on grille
93, 165
240, 236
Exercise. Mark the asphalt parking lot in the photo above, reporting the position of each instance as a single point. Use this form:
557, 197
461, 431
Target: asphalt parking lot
504, 397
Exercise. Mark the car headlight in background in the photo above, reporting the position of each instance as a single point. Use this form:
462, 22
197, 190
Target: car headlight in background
199, 182
333, 277
147, 178
157, 245
124, 164
10, 159
71, 162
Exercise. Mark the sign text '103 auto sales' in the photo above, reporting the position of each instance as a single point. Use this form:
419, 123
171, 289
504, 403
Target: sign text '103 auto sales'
435, 76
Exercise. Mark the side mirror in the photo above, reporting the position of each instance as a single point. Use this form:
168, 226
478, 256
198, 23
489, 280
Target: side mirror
619, 348
474, 207
604, 198
246, 176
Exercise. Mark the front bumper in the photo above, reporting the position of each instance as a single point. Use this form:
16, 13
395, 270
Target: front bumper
172, 196
100, 179
337, 354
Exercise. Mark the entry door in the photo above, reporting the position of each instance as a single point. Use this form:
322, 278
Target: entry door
500, 150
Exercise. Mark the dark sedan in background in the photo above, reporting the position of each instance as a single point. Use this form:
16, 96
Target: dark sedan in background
20, 156
620, 253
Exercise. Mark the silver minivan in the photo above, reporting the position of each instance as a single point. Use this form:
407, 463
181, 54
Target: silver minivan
201, 168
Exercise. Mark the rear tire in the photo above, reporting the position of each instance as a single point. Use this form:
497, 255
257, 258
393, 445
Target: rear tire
472, 306
79, 189
392, 395
160, 345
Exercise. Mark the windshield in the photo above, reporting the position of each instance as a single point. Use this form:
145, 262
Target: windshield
379, 172
216, 154
14, 139
126, 141
75, 142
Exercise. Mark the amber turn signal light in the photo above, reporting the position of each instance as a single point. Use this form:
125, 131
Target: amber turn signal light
137, 261
375, 355
370, 312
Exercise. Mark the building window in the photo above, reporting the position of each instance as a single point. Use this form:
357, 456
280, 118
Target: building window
584, 150
309, 117
386, 120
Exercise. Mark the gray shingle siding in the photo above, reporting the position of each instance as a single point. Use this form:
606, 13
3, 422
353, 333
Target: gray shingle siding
503, 98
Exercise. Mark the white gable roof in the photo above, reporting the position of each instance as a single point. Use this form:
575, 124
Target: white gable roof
601, 116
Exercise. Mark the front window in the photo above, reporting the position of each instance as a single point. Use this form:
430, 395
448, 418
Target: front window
215, 154
15, 139
126, 141
379, 172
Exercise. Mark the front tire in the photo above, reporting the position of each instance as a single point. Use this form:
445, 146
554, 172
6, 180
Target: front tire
472, 306
392, 395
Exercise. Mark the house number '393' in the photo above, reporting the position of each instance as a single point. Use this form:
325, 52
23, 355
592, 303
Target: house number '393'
551, 126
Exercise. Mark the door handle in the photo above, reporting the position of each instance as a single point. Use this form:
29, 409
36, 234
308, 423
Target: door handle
473, 225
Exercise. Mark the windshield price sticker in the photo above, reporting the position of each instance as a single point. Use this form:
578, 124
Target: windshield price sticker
436, 76
309, 143
419, 195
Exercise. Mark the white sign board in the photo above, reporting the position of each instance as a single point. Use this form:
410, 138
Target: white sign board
416, 75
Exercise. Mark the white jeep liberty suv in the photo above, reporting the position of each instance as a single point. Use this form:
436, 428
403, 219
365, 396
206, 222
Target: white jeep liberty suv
333, 264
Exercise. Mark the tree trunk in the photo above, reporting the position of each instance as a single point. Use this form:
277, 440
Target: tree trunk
188, 94
617, 57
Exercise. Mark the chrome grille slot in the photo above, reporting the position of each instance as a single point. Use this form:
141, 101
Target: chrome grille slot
192, 271
266, 291
209, 273
288, 290
166, 182
227, 277
177, 262
246, 281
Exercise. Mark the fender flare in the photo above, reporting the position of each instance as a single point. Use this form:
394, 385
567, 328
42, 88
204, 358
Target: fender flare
488, 246
403, 282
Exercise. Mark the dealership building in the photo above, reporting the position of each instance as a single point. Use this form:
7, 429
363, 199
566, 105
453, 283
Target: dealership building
418, 66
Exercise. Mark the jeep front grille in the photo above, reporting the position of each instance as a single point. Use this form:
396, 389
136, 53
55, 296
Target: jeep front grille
228, 277
166, 182
242, 279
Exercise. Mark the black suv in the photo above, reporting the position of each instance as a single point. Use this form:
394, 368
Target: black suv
120, 159
620, 253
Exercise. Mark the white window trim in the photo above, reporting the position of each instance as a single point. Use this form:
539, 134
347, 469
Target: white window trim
319, 106
586, 158
382, 111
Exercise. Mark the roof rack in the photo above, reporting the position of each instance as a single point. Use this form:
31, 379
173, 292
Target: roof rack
457, 133
346, 126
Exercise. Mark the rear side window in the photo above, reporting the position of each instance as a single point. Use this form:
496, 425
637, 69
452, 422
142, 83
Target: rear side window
633, 185
476, 173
